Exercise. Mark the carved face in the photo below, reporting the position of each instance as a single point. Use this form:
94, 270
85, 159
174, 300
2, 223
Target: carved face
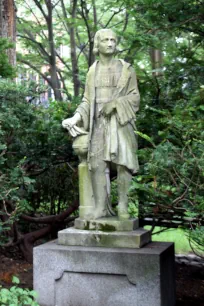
107, 43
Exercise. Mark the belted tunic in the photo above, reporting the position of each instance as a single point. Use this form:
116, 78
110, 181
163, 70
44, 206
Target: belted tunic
112, 139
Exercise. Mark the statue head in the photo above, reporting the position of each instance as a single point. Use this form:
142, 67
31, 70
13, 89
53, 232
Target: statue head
99, 36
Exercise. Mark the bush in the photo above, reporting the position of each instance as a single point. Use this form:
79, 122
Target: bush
6, 70
37, 164
16, 296
170, 183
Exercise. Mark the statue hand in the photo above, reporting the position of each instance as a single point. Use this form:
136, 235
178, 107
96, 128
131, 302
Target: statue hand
70, 122
70, 125
108, 108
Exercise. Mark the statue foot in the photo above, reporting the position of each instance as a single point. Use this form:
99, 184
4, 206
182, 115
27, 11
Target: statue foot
100, 213
88, 216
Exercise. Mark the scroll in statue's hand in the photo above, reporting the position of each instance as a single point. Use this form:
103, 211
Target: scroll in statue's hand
108, 108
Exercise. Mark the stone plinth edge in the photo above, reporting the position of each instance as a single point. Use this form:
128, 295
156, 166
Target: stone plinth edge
117, 239
109, 224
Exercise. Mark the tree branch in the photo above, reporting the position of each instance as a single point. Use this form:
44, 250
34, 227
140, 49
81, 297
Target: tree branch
114, 14
37, 19
37, 70
85, 18
44, 53
62, 60
52, 219
64, 85
38, 4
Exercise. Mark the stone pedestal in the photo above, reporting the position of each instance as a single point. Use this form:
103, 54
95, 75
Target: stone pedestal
122, 239
108, 224
86, 198
97, 276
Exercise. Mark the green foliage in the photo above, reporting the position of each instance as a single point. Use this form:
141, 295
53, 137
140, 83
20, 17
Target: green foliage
176, 235
15, 118
16, 296
171, 181
6, 69
196, 239
37, 163
133, 208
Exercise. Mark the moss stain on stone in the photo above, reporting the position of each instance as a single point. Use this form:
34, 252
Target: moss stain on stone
86, 226
107, 228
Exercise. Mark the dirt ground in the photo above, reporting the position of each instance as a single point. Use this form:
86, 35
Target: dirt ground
189, 279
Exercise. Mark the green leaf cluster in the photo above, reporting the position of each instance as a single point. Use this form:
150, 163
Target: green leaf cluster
6, 69
16, 296
36, 158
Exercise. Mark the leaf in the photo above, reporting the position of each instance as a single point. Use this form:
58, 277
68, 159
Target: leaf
146, 137
33, 293
15, 280
201, 107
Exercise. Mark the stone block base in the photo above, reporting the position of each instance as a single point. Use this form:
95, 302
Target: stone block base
109, 224
75, 237
92, 276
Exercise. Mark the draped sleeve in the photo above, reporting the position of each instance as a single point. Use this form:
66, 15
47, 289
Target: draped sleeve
128, 105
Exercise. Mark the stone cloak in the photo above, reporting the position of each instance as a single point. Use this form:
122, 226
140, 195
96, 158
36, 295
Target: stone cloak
121, 139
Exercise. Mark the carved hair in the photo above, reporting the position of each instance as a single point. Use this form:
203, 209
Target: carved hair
97, 38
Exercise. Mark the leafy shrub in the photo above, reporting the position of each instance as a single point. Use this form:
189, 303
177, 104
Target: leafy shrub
6, 69
196, 239
16, 296
170, 183
37, 164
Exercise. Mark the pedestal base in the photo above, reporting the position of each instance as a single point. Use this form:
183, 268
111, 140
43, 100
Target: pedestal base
92, 276
134, 239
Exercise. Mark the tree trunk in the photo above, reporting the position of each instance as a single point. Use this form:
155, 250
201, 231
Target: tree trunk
53, 65
157, 61
85, 16
70, 28
75, 69
8, 26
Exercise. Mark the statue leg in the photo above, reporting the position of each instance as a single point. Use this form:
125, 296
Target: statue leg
124, 177
99, 184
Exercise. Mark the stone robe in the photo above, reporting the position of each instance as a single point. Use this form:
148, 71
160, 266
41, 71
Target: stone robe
120, 140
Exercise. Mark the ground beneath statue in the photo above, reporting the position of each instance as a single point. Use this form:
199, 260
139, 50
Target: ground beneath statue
189, 279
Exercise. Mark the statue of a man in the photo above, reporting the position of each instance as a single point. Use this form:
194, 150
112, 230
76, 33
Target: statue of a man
107, 112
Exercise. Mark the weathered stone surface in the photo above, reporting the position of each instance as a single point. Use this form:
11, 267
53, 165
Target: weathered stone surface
107, 224
89, 286
133, 239
104, 127
87, 205
73, 276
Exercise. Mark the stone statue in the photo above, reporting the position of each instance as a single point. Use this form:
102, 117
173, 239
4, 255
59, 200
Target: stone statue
106, 120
